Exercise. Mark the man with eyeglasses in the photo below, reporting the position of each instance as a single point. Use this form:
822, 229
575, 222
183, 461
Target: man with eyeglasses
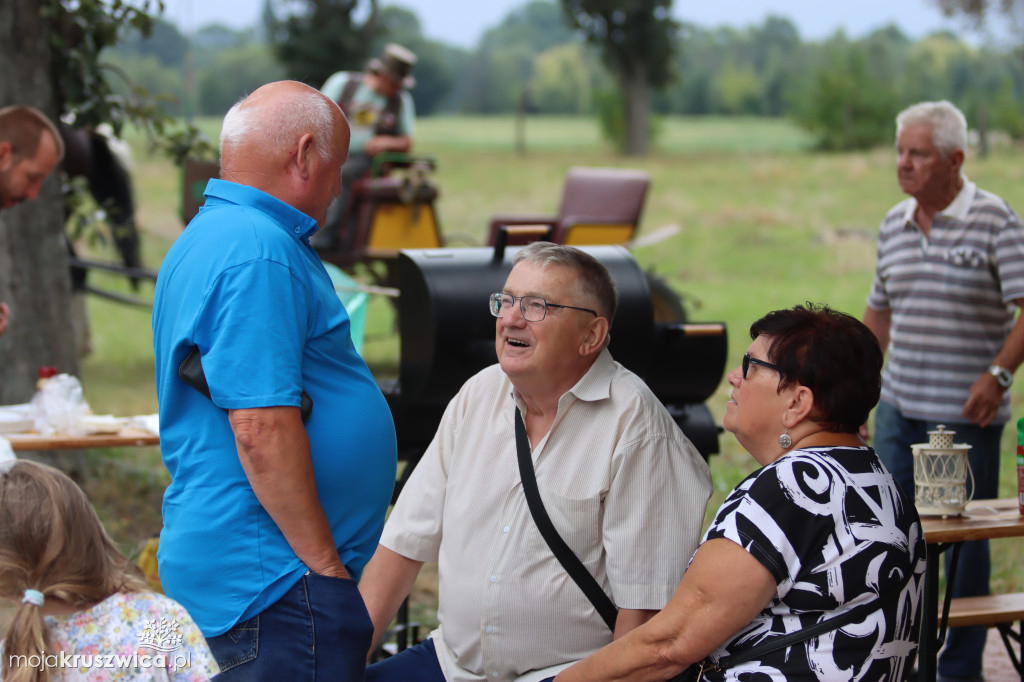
620, 482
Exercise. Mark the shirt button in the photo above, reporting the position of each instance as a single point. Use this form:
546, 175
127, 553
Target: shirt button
297, 230
506, 529
494, 674
494, 578
490, 629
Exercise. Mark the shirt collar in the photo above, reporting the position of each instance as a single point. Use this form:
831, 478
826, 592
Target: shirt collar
596, 383
293, 220
592, 386
957, 209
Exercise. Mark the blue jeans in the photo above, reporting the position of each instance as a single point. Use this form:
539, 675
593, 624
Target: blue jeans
894, 434
319, 630
415, 664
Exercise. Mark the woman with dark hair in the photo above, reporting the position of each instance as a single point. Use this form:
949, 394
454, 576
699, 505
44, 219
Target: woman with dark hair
813, 568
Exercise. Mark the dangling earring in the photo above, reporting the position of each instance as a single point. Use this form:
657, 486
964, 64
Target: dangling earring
785, 442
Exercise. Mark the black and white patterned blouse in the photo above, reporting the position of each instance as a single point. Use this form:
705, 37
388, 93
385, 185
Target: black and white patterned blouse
835, 530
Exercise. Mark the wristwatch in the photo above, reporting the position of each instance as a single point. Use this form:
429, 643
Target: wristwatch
1002, 375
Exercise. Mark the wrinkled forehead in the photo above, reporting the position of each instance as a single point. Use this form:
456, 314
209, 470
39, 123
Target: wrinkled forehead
542, 279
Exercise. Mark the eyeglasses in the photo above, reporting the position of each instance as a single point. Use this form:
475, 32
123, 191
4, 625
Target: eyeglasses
748, 361
534, 308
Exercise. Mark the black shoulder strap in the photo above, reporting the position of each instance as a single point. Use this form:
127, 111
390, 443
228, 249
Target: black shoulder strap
349, 91
851, 616
570, 562
388, 123
693, 672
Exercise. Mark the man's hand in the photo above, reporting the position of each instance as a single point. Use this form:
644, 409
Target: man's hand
983, 400
5, 314
387, 143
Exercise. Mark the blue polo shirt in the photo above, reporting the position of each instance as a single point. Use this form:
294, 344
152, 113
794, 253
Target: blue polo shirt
243, 284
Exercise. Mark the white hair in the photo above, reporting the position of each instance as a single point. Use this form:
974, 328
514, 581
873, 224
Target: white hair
949, 126
304, 112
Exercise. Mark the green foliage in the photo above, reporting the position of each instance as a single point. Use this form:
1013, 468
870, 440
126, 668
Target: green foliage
434, 68
611, 118
537, 24
561, 81
1006, 113
80, 31
164, 42
847, 106
316, 38
634, 37
738, 89
497, 75
233, 74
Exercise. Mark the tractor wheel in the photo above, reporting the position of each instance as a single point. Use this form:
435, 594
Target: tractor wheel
668, 306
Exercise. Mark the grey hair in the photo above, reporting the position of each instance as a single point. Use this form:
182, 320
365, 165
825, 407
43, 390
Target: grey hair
594, 280
305, 112
949, 126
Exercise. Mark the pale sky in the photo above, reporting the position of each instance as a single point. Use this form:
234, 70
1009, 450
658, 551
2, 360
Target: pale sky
462, 22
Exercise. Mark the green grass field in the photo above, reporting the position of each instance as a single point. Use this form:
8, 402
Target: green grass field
763, 223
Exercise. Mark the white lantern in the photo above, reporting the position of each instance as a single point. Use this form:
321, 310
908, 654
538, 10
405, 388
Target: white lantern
941, 471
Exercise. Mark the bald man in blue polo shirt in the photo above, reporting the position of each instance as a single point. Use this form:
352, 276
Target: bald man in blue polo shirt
268, 521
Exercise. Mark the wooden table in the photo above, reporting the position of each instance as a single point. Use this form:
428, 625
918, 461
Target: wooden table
127, 437
983, 520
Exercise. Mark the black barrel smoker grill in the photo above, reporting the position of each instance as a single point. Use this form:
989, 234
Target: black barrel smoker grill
447, 335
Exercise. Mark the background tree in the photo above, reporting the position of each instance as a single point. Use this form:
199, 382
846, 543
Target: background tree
980, 11
847, 105
314, 38
637, 40
33, 258
434, 60
499, 72
561, 82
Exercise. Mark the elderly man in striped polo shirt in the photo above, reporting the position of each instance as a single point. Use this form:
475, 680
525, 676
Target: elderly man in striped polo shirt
948, 280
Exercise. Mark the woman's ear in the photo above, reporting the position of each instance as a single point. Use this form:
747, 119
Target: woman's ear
799, 404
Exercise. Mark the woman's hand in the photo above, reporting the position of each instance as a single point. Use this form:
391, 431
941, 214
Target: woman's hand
723, 589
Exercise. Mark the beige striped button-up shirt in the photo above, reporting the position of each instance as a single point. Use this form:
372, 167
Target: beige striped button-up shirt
621, 483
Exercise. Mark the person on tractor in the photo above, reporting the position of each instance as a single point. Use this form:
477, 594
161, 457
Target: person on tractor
382, 116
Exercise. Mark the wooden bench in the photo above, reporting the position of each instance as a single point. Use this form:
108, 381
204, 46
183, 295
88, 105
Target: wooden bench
998, 610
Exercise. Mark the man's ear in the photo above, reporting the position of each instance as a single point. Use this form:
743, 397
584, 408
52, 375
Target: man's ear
597, 334
304, 155
6, 156
956, 159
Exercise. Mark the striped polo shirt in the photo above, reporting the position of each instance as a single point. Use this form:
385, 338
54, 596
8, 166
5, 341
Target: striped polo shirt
951, 300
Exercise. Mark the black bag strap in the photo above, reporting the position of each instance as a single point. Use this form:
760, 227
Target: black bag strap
570, 562
834, 623
853, 615
349, 92
387, 124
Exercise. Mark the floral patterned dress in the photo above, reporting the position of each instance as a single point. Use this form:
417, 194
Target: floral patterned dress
129, 636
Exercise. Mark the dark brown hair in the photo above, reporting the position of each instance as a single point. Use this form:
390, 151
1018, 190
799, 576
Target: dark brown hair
829, 352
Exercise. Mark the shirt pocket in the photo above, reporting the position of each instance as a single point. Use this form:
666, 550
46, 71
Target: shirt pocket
577, 520
966, 257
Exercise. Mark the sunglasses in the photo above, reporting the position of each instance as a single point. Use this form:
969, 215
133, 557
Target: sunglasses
748, 361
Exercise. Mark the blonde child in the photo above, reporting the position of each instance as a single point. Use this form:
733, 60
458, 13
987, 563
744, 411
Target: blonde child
83, 610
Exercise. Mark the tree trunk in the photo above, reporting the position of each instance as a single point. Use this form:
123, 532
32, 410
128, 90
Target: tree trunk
637, 100
34, 278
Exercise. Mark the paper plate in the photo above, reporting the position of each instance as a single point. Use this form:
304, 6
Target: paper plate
15, 419
103, 423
